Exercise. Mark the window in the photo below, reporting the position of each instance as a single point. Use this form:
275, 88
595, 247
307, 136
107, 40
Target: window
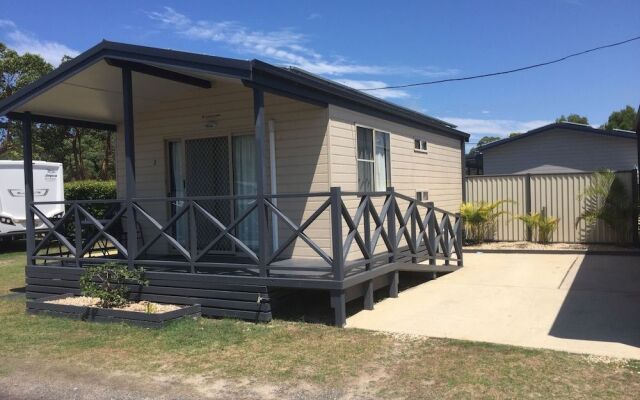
374, 172
420, 145
422, 195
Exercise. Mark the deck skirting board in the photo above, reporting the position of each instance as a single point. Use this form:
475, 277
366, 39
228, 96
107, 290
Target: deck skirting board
250, 302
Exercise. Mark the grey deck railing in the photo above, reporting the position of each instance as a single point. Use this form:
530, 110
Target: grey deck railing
367, 230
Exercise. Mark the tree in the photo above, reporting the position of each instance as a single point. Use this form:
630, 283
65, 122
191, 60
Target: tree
16, 71
514, 134
575, 118
484, 140
622, 119
85, 153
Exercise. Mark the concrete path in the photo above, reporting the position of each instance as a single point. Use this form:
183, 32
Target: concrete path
575, 303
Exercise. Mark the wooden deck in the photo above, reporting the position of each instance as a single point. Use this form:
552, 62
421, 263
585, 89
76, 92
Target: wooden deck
381, 239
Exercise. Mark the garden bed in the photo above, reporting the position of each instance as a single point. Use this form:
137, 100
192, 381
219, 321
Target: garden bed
555, 248
150, 315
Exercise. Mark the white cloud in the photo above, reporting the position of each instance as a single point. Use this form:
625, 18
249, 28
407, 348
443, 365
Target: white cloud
313, 16
494, 127
24, 42
382, 93
283, 46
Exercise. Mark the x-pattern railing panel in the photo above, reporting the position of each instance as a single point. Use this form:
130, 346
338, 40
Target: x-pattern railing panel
378, 226
52, 229
102, 231
299, 232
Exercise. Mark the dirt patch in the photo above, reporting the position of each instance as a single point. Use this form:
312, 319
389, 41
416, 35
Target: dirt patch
142, 306
65, 382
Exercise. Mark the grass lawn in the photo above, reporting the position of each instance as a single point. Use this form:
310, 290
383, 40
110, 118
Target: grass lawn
293, 355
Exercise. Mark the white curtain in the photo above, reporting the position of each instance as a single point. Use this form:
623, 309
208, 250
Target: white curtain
244, 183
177, 190
381, 161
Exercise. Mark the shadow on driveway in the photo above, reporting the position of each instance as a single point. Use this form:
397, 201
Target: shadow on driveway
603, 301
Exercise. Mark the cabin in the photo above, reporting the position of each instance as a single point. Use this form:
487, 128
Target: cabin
561, 147
240, 178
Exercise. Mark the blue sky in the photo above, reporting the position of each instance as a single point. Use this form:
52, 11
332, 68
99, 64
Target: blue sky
369, 43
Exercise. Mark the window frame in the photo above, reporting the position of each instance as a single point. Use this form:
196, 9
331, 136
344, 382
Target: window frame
373, 161
420, 142
420, 195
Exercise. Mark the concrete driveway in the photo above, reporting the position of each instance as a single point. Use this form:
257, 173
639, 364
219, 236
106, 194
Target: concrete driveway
575, 303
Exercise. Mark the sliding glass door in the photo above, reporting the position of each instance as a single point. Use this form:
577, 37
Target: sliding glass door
214, 166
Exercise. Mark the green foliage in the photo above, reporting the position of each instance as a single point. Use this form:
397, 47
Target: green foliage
17, 71
622, 119
85, 153
479, 219
541, 225
109, 281
575, 118
484, 140
90, 190
607, 200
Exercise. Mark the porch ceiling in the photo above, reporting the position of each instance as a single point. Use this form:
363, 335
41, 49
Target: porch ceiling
95, 93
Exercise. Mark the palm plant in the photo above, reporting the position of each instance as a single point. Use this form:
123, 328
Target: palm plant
540, 225
479, 219
607, 200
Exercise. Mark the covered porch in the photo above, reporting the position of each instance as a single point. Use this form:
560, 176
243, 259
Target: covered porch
204, 205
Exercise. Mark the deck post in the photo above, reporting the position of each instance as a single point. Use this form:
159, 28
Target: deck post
368, 295
393, 285
367, 229
414, 239
447, 244
130, 165
337, 243
339, 305
261, 180
27, 155
460, 240
431, 233
391, 224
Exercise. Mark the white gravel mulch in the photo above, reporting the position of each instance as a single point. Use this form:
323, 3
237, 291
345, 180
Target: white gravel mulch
142, 306
539, 246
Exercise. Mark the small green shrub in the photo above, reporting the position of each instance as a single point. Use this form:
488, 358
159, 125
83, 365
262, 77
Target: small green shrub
109, 282
479, 219
92, 190
541, 225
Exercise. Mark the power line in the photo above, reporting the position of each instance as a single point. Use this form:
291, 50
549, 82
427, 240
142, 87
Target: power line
466, 78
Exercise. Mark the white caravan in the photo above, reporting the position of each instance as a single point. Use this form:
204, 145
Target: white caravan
48, 185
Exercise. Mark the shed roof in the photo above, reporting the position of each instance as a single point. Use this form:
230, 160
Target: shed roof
561, 125
289, 82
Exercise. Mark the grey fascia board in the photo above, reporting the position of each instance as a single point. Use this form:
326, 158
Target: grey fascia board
197, 62
325, 91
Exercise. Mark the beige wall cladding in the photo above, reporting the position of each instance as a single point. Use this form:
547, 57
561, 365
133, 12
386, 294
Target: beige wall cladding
559, 151
560, 194
438, 171
301, 146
